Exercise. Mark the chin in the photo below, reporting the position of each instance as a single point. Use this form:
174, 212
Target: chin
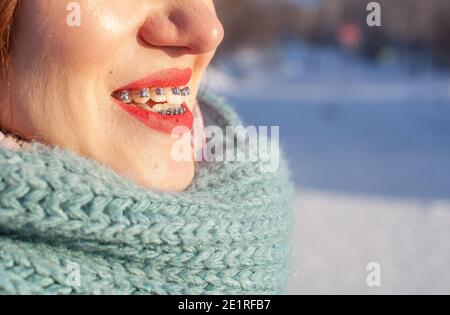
164, 179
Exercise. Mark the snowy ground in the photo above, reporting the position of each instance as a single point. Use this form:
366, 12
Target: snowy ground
338, 235
369, 146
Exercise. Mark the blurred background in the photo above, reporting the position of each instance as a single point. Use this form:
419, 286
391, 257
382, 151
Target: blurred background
364, 114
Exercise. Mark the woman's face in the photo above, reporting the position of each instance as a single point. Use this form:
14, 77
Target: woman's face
103, 89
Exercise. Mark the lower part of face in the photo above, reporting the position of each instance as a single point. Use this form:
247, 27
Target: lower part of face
65, 73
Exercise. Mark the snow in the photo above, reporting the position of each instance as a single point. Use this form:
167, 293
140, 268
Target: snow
369, 147
338, 235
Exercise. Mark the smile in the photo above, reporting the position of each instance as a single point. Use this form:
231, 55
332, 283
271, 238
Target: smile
159, 100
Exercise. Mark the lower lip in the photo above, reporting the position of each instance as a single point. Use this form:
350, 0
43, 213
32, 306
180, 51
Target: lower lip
167, 124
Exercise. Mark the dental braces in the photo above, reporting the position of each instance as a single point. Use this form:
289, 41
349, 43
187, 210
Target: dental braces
173, 111
175, 108
126, 96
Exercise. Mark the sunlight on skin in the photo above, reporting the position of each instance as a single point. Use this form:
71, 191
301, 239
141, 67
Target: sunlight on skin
63, 78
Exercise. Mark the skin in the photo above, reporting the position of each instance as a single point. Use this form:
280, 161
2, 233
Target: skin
63, 78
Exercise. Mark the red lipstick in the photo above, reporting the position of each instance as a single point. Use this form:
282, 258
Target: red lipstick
169, 78
164, 78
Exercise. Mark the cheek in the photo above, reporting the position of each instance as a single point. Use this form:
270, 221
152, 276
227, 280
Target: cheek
105, 27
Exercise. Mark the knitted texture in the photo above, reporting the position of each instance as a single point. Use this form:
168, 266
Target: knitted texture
61, 213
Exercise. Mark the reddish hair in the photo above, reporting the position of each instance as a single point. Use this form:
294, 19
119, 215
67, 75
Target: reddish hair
7, 10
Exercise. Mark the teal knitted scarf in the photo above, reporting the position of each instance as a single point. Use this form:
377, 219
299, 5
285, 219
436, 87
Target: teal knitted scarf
71, 226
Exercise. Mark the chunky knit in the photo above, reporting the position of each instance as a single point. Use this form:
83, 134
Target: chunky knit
71, 226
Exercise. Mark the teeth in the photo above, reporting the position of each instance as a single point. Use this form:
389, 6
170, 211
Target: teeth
146, 107
159, 107
141, 96
125, 97
174, 97
176, 91
186, 91
173, 111
168, 109
169, 100
145, 92
158, 95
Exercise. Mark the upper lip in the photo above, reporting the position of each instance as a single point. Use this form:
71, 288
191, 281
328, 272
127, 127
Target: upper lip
164, 78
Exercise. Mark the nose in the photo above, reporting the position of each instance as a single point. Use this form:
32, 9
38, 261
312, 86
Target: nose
191, 25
